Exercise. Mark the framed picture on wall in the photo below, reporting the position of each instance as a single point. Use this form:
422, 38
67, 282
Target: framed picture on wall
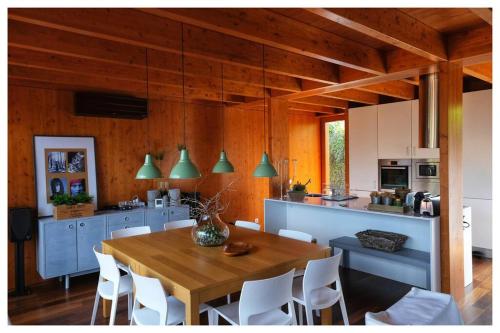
63, 165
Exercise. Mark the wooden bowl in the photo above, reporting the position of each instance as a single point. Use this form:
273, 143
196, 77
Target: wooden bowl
236, 249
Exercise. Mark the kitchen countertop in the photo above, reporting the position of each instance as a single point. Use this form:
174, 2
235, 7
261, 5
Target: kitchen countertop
357, 205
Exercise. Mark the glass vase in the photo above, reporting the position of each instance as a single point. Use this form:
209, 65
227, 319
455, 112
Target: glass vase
210, 231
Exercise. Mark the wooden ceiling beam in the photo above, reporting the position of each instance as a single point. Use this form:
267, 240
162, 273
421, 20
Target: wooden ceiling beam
398, 89
324, 101
353, 95
484, 13
199, 43
295, 106
391, 26
471, 46
480, 71
266, 27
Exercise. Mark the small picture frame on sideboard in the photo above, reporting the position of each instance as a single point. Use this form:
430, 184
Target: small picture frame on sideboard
159, 203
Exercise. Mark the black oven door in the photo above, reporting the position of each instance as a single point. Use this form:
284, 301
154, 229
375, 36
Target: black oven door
393, 177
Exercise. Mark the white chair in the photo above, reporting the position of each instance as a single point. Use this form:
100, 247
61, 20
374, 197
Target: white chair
260, 303
298, 235
247, 225
313, 291
116, 286
129, 232
158, 308
419, 307
179, 224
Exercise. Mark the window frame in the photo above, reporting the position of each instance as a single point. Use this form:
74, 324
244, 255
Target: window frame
345, 117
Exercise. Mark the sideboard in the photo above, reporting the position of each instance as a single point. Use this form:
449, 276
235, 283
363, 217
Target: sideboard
64, 247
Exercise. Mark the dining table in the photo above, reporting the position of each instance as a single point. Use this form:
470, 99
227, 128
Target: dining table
196, 274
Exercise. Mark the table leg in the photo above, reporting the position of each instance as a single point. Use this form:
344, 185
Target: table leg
326, 316
193, 310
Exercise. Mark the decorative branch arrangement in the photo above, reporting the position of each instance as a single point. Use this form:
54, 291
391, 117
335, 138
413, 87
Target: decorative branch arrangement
210, 206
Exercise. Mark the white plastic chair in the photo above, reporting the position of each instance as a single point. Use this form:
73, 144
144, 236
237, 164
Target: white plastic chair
129, 232
313, 291
260, 303
298, 235
179, 224
115, 286
419, 307
247, 225
158, 308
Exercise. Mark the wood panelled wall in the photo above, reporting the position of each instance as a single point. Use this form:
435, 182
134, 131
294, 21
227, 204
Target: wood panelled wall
121, 145
305, 146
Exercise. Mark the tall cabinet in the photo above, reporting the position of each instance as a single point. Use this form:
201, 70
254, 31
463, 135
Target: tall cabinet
394, 130
363, 139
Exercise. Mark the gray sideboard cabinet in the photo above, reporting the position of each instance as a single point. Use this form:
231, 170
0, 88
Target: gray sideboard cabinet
156, 218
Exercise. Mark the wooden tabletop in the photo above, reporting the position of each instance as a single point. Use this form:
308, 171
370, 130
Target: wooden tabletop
196, 274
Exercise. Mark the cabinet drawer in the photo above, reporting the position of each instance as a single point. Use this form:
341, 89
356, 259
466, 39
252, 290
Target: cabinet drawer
60, 248
124, 218
123, 225
156, 218
178, 213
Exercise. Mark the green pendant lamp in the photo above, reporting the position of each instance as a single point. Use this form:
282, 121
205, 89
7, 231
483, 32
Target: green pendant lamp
149, 169
223, 165
184, 169
265, 167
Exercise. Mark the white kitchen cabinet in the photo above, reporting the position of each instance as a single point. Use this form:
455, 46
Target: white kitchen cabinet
363, 159
394, 130
417, 152
481, 222
477, 145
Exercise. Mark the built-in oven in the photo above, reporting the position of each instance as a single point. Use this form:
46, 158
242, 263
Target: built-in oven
394, 174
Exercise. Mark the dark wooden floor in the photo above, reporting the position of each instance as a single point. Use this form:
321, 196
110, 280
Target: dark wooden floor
50, 304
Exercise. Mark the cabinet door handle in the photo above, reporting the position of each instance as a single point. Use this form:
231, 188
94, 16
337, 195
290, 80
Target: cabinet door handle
82, 224
126, 227
71, 226
126, 218
163, 213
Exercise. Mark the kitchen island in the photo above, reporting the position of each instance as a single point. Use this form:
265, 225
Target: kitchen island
327, 220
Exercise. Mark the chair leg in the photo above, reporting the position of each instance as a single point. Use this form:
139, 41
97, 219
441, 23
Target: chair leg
344, 311
301, 314
94, 310
215, 318
309, 316
130, 298
291, 310
210, 317
318, 314
228, 298
113, 310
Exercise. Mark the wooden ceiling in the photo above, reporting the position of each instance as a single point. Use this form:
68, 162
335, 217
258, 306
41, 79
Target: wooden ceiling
319, 59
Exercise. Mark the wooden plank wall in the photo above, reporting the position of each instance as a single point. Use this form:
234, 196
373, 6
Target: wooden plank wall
121, 145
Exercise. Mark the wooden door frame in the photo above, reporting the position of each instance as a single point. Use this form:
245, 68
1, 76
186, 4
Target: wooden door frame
344, 116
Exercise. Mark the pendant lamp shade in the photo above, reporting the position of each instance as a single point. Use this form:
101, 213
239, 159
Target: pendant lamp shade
148, 170
223, 165
184, 169
265, 168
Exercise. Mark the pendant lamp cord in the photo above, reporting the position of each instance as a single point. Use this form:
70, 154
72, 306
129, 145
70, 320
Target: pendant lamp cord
183, 86
222, 100
147, 97
264, 95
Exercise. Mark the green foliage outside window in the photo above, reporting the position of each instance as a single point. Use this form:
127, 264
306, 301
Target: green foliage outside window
336, 138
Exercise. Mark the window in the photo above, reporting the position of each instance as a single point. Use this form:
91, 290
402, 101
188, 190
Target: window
334, 153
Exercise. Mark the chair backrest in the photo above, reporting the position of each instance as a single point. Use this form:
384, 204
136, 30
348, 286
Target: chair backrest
150, 293
247, 225
107, 266
264, 295
298, 235
129, 232
179, 224
321, 273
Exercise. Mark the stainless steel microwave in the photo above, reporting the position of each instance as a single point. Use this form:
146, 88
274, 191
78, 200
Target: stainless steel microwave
426, 170
393, 174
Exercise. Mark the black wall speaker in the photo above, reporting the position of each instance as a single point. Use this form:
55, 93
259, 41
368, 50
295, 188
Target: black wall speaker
21, 222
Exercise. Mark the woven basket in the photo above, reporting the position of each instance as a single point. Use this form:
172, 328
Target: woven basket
381, 240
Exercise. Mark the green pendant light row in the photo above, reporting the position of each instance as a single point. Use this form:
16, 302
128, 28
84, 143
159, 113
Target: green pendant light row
265, 167
184, 169
223, 165
149, 169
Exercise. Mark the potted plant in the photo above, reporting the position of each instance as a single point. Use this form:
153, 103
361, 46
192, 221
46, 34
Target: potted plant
66, 206
375, 197
298, 191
